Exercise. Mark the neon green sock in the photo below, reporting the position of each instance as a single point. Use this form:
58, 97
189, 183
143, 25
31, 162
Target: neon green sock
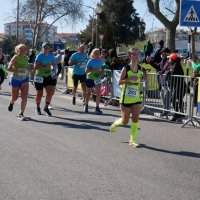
134, 129
118, 122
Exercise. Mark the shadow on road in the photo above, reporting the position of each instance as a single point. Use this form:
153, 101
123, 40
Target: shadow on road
180, 153
83, 124
81, 112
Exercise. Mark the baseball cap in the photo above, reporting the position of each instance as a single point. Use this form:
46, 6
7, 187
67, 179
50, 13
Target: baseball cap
45, 45
173, 56
165, 50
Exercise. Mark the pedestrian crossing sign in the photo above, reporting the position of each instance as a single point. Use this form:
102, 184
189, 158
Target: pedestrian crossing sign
189, 13
191, 16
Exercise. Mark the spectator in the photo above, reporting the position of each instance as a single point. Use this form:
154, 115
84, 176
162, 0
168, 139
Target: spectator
161, 67
157, 56
148, 49
66, 60
176, 85
32, 56
59, 61
195, 74
90, 48
115, 63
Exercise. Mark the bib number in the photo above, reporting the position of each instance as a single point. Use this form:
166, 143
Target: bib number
97, 82
131, 92
22, 72
38, 79
83, 65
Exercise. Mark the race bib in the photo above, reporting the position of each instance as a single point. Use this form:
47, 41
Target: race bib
83, 65
131, 92
97, 82
38, 79
23, 72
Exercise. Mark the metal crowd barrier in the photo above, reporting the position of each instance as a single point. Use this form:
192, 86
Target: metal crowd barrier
171, 95
194, 117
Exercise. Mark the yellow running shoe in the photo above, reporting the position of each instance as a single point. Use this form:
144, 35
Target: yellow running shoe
113, 128
133, 143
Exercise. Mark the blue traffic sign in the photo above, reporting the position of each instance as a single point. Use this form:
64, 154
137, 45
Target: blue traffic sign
190, 13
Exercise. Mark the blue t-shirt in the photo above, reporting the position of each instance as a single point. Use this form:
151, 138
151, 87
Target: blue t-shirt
94, 64
77, 57
43, 60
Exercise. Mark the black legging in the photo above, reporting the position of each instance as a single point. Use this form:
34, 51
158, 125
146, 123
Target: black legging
2, 76
59, 68
178, 103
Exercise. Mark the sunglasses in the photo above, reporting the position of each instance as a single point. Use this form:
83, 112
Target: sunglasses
46, 47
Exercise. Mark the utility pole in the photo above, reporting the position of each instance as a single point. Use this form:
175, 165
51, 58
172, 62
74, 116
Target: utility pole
17, 23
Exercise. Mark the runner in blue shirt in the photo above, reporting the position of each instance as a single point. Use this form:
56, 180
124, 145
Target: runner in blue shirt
78, 61
94, 71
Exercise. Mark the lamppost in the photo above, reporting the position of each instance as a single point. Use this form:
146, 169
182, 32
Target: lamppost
98, 11
92, 21
101, 40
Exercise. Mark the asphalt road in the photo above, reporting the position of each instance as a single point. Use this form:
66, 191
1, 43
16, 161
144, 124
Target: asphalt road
72, 155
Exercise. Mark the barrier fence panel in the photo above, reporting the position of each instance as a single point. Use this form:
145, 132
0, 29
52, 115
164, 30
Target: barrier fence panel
168, 95
106, 86
194, 118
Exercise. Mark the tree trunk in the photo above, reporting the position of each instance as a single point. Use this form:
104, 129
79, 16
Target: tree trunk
170, 38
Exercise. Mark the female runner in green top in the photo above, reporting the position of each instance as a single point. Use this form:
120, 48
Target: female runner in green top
19, 80
130, 79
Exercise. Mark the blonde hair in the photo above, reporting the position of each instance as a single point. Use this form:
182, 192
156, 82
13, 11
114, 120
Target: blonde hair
130, 50
18, 47
93, 52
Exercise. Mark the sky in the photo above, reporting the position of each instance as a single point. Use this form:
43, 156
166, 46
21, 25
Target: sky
9, 6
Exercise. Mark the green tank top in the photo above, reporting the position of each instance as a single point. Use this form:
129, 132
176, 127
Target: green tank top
131, 91
21, 63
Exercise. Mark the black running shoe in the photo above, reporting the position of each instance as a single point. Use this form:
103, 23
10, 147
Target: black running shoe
38, 111
47, 112
10, 107
98, 111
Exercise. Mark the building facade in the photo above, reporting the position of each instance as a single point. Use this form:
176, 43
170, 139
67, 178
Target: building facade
25, 33
181, 38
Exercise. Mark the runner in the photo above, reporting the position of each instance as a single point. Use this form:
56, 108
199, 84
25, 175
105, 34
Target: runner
44, 63
94, 71
3, 71
130, 79
78, 61
19, 80
54, 72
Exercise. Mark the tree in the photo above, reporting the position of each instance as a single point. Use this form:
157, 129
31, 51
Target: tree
170, 10
8, 45
37, 11
118, 23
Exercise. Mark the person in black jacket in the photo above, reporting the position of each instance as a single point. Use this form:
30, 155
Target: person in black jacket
176, 84
157, 56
